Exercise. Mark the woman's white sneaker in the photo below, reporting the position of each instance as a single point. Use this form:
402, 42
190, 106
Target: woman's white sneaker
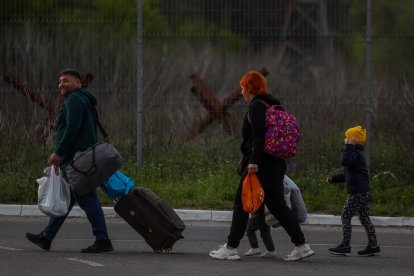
300, 252
225, 253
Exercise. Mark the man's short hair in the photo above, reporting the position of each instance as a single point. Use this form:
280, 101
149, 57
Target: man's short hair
72, 72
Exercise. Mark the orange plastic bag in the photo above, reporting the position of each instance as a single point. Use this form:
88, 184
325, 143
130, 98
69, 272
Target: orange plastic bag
252, 193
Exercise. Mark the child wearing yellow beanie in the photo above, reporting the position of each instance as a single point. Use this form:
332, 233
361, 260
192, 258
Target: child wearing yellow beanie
357, 184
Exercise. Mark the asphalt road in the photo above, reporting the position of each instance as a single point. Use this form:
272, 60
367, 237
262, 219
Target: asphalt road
132, 256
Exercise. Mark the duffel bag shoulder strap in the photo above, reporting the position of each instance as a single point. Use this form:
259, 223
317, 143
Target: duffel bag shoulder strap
100, 126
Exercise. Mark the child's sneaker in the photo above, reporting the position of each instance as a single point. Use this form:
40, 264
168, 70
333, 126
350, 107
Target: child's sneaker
299, 252
340, 250
252, 252
224, 253
268, 254
370, 251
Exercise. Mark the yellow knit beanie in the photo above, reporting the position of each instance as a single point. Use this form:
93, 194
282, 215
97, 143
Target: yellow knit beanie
357, 132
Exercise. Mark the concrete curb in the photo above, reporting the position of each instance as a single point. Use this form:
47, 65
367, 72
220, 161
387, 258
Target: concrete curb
208, 215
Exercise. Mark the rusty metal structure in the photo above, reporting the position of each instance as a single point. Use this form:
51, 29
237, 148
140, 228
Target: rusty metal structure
309, 15
216, 110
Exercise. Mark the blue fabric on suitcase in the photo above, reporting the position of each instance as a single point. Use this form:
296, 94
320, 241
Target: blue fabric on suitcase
118, 185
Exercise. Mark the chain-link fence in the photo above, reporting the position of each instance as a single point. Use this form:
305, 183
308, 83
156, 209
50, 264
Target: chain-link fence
194, 53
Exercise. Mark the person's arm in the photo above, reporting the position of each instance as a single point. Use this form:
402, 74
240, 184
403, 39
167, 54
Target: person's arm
338, 178
257, 113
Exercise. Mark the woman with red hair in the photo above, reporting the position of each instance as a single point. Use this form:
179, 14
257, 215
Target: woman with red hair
269, 169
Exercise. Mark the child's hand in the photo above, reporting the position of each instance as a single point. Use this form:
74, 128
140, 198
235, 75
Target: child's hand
328, 180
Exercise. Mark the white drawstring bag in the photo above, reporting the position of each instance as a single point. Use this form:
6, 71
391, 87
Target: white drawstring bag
294, 201
53, 194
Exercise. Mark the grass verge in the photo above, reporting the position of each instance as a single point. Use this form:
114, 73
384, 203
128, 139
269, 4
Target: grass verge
190, 176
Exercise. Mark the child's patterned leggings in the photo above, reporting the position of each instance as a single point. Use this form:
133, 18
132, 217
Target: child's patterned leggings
358, 203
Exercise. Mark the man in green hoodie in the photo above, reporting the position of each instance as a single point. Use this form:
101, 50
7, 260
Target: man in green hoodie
76, 130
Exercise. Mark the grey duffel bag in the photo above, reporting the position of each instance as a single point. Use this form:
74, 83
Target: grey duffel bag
91, 167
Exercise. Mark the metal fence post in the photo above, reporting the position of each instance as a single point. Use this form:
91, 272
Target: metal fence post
139, 83
368, 84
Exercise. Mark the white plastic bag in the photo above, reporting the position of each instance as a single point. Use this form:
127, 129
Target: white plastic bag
53, 194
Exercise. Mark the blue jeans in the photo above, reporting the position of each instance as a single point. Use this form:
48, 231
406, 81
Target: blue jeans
91, 205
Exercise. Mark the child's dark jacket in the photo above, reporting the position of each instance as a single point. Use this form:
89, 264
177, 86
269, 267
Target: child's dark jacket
355, 170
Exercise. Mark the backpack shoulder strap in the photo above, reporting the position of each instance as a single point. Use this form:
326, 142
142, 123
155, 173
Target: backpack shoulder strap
263, 102
278, 106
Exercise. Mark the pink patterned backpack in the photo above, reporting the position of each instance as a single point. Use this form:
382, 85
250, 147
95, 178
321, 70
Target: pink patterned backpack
282, 132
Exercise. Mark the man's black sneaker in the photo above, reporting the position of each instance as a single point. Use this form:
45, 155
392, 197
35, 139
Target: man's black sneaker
99, 246
39, 240
340, 250
370, 251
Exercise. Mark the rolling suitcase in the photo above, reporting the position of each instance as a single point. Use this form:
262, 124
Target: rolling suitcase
151, 217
